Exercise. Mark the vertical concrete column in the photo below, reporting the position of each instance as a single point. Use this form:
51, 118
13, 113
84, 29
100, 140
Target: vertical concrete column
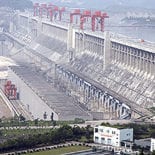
11, 27
117, 54
16, 19
39, 26
102, 101
120, 111
28, 25
136, 60
133, 59
128, 56
106, 102
151, 64
107, 50
130, 62
146, 64
139, 60
142, 61
71, 42
121, 54
117, 110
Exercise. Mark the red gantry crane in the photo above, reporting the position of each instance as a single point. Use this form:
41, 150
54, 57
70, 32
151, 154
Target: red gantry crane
10, 90
84, 17
61, 10
101, 16
76, 12
43, 8
36, 9
53, 11
49, 7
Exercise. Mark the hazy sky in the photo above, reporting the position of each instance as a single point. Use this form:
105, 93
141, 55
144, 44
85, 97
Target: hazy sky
105, 3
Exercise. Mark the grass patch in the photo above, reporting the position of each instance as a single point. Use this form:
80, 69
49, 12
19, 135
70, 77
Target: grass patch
61, 151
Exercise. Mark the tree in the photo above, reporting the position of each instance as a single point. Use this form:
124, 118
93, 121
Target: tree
77, 132
153, 153
141, 152
54, 123
36, 122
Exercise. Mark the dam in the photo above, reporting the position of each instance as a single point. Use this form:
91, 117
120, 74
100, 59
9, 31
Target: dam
73, 70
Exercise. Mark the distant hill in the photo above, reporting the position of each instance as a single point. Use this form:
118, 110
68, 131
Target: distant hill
16, 4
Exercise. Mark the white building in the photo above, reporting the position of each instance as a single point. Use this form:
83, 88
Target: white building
112, 136
152, 144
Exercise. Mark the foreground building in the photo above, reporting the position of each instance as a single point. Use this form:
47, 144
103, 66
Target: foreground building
112, 136
152, 144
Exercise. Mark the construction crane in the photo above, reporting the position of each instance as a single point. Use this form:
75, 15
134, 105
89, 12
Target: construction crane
85, 14
76, 12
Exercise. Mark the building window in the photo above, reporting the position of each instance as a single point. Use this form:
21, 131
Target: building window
113, 132
101, 130
109, 141
96, 130
103, 140
107, 131
96, 139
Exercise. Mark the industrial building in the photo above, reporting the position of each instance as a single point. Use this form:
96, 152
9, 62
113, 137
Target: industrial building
152, 144
112, 136
72, 68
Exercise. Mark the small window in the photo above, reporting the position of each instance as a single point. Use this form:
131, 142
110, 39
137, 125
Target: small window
103, 140
96, 139
101, 130
96, 130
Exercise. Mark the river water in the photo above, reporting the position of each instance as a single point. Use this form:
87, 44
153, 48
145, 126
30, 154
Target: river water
145, 33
